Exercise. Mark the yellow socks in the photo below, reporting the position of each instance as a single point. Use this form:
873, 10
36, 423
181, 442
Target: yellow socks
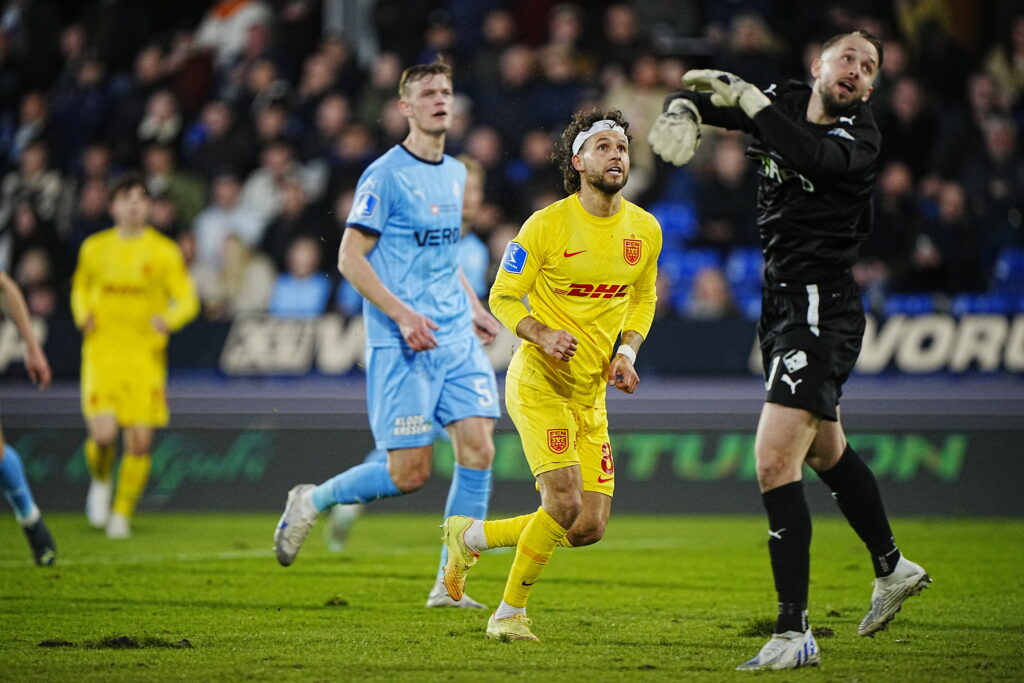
99, 459
536, 545
131, 482
505, 533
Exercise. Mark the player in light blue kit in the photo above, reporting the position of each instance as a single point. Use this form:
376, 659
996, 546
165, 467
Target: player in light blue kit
425, 364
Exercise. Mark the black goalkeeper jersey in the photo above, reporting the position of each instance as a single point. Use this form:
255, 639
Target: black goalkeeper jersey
815, 185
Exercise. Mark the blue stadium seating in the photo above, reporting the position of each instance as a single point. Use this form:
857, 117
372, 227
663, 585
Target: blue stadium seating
909, 304
678, 221
1009, 271
748, 304
681, 266
982, 303
743, 269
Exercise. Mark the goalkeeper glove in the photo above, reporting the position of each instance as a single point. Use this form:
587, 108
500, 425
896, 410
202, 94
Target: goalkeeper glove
675, 134
727, 90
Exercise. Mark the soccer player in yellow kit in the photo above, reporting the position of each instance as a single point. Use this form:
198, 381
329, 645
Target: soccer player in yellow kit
130, 290
588, 265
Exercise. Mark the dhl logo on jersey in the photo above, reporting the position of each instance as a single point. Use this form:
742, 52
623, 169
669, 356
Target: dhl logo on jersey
126, 290
594, 291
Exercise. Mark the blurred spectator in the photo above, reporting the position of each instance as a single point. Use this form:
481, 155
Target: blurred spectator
640, 100
164, 216
725, 198
261, 193
30, 233
886, 252
272, 124
908, 128
161, 123
216, 142
225, 27
90, 212
994, 181
1005, 62
338, 53
474, 257
333, 115
242, 283
533, 172
299, 219
261, 85
381, 87
303, 291
483, 144
499, 33
507, 105
162, 177
34, 274
224, 217
79, 111
439, 39
317, 84
623, 42
351, 154
33, 182
961, 135
710, 297
10, 80
132, 94
751, 51
559, 89
33, 124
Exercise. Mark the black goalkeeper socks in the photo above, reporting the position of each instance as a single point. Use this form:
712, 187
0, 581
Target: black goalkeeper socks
789, 545
855, 490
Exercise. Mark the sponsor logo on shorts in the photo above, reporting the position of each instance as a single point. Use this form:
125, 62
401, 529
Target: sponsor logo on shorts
409, 425
594, 291
794, 360
792, 385
558, 440
607, 464
631, 250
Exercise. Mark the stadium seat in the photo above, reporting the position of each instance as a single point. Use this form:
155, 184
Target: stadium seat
1009, 271
909, 304
748, 304
678, 221
681, 266
982, 303
743, 269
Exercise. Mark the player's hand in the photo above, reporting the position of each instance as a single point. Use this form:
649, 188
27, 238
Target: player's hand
558, 344
485, 325
38, 367
89, 325
416, 331
675, 134
622, 375
728, 90
160, 325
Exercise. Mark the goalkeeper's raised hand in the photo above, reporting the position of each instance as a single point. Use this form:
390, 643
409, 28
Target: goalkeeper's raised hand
727, 90
675, 134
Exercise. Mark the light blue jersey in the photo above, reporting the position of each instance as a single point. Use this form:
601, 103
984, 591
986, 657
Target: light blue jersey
415, 206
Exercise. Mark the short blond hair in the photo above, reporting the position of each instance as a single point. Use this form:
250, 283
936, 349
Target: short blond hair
420, 72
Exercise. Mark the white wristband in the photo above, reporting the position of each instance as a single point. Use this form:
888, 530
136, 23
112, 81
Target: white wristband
627, 351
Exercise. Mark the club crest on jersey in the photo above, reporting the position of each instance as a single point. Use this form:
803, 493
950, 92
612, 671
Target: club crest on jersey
631, 251
558, 440
514, 259
366, 204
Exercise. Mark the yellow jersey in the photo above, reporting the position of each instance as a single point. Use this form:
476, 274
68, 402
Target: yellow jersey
123, 282
591, 276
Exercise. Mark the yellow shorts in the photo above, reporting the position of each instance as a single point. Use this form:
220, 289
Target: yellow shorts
558, 433
135, 398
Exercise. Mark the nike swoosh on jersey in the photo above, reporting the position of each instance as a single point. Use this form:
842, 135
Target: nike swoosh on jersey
567, 254
604, 480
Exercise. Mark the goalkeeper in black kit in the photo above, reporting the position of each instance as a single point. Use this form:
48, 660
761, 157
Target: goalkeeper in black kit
817, 151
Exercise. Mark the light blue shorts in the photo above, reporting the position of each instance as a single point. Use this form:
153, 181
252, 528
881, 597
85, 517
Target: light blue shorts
409, 393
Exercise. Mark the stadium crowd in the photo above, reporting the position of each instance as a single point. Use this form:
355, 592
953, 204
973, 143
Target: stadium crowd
252, 120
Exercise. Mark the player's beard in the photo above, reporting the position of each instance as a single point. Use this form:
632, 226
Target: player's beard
597, 181
833, 107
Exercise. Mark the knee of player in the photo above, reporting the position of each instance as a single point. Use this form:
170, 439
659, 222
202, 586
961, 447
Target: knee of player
478, 456
410, 480
105, 438
586, 536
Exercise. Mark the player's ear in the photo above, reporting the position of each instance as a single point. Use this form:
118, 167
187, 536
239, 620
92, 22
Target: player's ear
577, 163
816, 67
867, 94
404, 108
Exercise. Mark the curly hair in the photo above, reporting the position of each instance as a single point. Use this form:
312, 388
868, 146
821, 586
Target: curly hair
562, 156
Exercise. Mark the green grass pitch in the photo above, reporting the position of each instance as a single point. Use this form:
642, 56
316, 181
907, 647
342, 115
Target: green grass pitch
200, 597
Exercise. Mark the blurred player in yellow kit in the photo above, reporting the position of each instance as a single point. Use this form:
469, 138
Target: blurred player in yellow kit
588, 265
130, 290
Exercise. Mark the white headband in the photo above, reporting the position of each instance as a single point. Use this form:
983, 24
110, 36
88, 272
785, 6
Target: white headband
603, 124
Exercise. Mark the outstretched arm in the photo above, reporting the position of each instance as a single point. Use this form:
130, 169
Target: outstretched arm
35, 360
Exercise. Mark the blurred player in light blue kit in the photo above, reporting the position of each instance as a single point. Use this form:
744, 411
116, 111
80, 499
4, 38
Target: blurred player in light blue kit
425, 364
12, 475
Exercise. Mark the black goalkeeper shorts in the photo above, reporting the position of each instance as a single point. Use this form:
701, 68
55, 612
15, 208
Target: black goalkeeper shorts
810, 339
